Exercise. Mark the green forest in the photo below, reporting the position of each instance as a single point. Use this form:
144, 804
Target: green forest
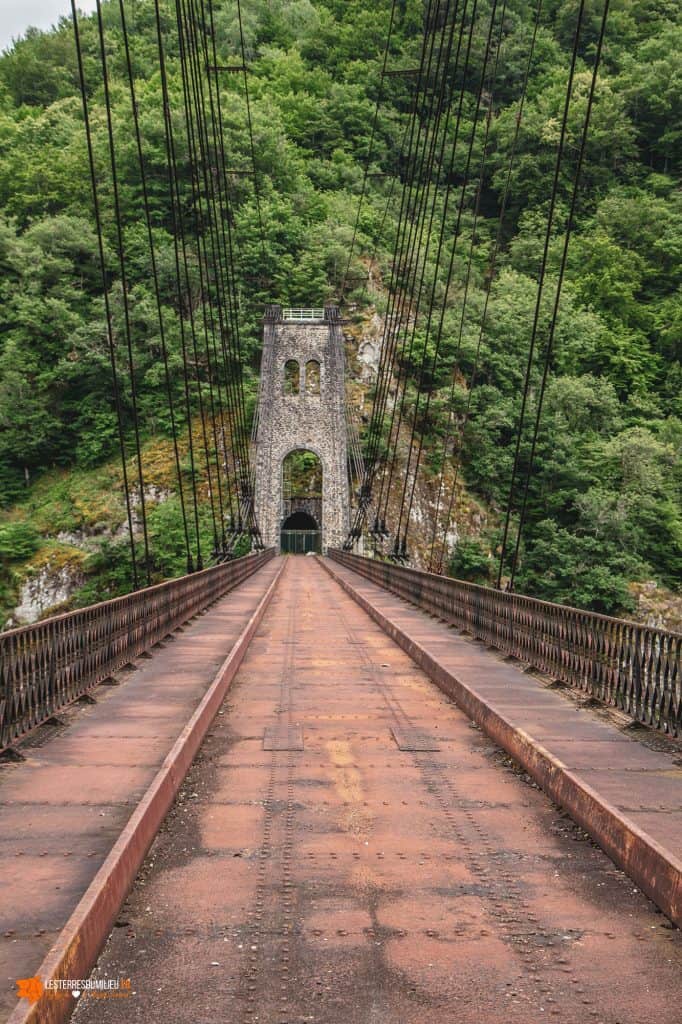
604, 497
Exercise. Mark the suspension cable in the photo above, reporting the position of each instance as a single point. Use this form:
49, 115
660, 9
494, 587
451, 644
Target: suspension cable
218, 240
412, 292
389, 338
439, 333
224, 247
250, 127
411, 242
375, 119
398, 255
197, 168
365, 486
437, 566
155, 278
234, 337
220, 262
400, 546
540, 290
176, 215
557, 297
105, 291
124, 289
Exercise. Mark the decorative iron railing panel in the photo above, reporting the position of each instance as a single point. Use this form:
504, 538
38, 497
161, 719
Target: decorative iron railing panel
297, 313
50, 664
633, 667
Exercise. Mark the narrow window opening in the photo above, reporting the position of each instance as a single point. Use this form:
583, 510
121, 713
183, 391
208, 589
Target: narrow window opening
292, 377
312, 377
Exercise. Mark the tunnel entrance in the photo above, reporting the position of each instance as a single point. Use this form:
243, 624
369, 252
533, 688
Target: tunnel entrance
300, 531
300, 534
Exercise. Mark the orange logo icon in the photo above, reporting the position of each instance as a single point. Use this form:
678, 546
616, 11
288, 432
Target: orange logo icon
29, 988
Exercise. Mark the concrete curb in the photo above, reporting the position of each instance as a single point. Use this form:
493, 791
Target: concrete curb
656, 870
81, 939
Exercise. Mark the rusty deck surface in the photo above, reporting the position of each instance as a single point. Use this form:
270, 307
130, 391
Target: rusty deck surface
626, 792
62, 809
398, 869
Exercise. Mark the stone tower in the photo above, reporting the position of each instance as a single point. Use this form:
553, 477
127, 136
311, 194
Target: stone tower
301, 406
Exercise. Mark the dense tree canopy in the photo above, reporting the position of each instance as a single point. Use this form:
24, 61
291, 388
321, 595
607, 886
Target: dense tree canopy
604, 499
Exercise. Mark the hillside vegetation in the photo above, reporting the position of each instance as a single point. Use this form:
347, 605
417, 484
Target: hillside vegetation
605, 507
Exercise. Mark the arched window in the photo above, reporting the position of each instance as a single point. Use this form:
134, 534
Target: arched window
312, 377
292, 377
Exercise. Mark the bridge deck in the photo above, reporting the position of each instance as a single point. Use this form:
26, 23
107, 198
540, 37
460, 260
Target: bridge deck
626, 791
355, 881
63, 808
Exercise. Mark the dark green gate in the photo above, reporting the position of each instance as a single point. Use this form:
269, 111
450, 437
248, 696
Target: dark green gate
300, 542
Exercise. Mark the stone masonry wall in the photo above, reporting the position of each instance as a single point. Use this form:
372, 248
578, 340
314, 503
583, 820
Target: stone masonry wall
312, 422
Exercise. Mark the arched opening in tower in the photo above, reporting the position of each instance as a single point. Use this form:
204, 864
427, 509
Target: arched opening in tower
300, 521
301, 515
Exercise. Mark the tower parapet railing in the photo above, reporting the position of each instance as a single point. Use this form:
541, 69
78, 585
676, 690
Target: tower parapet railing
301, 313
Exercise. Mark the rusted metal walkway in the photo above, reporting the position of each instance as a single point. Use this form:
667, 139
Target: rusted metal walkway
348, 846
63, 809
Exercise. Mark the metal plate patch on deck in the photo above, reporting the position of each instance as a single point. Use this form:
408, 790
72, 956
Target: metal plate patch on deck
281, 737
413, 739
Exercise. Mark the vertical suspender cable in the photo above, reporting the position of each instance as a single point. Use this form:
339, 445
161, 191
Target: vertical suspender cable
221, 261
400, 546
416, 291
437, 565
233, 337
105, 291
217, 210
155, 277
439, 333
228, 302
541, 282
221, 253
557, 297
250, 127
124, 289
196, 161
371, 147
176, 216
389, 339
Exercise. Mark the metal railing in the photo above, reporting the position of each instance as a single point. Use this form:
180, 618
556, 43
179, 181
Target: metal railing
46, 666
635, 668
294, 313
